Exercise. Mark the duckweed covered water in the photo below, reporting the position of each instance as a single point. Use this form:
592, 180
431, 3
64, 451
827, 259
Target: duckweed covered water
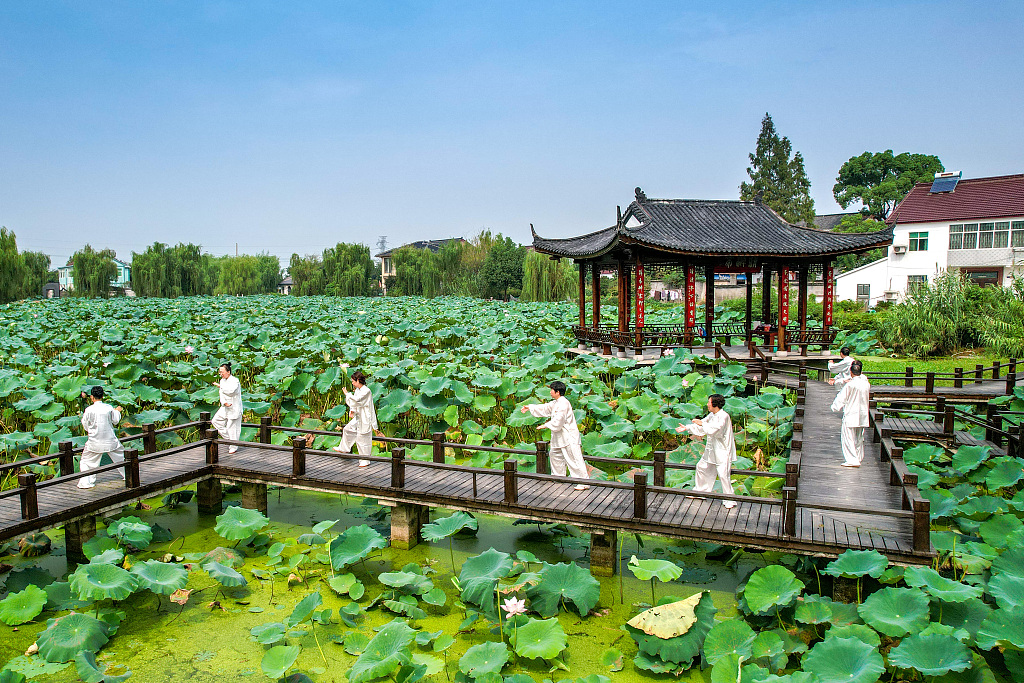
209, 640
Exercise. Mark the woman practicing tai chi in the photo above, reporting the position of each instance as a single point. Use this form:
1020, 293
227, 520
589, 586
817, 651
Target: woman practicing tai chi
99, 420
364, 419
720, 450
565, 435
228, 418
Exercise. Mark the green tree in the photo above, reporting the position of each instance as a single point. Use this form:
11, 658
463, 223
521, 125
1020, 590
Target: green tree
779, 176
349, 270
12, 267
501, 273
239, 275
859, 222
93, 271
172, 271
417, 273
547, 279
37, 272
879, 180
307, 273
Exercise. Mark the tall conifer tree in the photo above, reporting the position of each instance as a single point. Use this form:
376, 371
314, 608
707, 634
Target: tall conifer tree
779, 176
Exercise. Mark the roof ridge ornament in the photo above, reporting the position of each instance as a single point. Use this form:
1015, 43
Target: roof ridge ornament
640, 196
759, 197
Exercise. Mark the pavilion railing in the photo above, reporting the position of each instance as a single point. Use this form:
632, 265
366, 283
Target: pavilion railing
695, 335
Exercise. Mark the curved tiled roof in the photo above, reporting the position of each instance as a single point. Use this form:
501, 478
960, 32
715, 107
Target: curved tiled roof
703, 227
973, 198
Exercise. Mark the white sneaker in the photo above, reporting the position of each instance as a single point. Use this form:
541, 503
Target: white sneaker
729, 504
581, 487
87, 486
364, 463
233, 449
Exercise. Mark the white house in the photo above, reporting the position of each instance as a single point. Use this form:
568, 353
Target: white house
973, 225
66, 275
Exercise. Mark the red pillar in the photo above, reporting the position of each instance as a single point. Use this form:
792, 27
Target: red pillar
595, 294
583, 293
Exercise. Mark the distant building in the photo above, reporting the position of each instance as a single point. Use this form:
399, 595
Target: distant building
974, 226
66, 275
285, 286
387, 265
51, 290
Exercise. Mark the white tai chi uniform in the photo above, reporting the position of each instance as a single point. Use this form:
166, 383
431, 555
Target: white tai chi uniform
565, 437
853, 401
99, 420
719, 453
359, 429
228, 419
841, 368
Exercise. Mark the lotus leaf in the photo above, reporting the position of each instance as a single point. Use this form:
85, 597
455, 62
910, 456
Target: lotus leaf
857, 563
131, 531
90, 672
59, 597
542, 638
354, 544
386, 653
484, 658
843, 660
268, 634
768, 646
229, 557
66, 636
895, 611
160, 577
969, 458
448, 526
480, 574
1002, 628
432, 664
304, 609
1010, 562
279, 659
9, 676
812, 611
932, 655
967, 615
409, 582
111, 556
34, 545
660, 569
771, 587
938, 586
356, 642
101, 581
668, 620
730, 637
612, 659
23, 606
564, 583
238, 523
998, 531
678, 652
1003, 472
859, 631
343, 583
435, 596
310, 539
1007, 589
227, 576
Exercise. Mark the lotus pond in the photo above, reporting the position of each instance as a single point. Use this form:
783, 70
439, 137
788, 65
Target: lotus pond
315, 592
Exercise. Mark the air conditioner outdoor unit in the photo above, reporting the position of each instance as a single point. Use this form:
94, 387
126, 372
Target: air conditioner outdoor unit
899, 249
891, 295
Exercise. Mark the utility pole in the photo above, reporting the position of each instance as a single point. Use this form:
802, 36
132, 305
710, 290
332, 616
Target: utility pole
382, 244
236, 248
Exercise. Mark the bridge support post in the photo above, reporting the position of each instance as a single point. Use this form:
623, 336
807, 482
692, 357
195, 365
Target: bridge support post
604, 551
407, 522
66, 458
210, 496
844, 590
75, 535
543, 466
254, 496
437, 447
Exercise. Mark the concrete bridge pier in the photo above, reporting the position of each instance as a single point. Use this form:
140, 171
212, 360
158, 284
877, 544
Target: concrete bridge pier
254, 496
407, 522
604, 552
76, 534
210, 496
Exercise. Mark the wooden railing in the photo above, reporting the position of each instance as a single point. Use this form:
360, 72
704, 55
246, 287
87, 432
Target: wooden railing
957, 378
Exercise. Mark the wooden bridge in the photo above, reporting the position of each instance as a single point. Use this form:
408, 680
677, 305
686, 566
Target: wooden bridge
824, 509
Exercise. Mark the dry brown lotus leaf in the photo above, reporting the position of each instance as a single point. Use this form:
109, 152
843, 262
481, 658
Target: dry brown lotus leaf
668, 621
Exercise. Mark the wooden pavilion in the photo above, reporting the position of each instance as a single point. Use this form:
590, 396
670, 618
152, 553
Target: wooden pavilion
707, 236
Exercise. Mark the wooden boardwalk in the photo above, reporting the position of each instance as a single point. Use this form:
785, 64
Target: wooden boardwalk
836, 508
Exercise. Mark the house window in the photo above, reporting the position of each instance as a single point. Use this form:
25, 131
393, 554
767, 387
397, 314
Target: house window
388, 268
1001, 239
970, 235
985, 235
1017, 239
956, 236
916, 282
864, 294
918, 241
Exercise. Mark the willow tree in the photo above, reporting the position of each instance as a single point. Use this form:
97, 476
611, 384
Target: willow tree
417, 273
348, 270
37, 272
94, 271
547, 279
12, 267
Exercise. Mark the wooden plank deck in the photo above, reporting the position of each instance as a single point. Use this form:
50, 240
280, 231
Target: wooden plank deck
908, 429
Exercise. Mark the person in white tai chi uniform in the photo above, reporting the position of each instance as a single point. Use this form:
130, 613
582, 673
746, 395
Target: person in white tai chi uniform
565, 435
228, 418
853, 401
719, 451
99, 420
841, 367
364, 419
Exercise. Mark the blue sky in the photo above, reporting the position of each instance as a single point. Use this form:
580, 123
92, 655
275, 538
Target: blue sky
288, 127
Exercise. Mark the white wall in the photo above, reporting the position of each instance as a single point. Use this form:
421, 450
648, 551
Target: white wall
874, 274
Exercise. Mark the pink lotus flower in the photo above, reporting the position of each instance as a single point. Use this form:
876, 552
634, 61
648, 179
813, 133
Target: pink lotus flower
344, 365
686, 383
668, 352
189, 349
513, 607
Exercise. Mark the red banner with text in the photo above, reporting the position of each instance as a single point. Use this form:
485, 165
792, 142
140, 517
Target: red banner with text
691, 296
830, 293
783, 297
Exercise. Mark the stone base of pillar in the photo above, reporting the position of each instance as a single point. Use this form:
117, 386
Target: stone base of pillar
406, 523
254, 496
604, 551
75, 536
210, 496
844, 590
